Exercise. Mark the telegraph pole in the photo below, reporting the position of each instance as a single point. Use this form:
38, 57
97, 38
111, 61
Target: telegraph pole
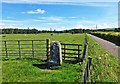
96, 28
51, 29
28, 30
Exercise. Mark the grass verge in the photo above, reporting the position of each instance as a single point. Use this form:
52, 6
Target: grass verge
105, 67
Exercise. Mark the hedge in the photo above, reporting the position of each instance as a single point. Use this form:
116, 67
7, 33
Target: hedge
113, 37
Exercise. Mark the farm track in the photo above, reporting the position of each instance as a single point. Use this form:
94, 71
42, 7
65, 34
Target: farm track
114, 49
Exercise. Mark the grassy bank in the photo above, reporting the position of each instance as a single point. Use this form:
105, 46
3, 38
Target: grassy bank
105, 67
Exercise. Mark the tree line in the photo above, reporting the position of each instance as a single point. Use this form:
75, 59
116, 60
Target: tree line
35, 31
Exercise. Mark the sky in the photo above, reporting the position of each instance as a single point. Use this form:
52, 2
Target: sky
59, 15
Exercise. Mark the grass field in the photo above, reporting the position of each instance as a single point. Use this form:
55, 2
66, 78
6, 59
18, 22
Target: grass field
64, 38
105, 67
23, 70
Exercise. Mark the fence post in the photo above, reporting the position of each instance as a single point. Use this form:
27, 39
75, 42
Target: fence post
64, 50
87, 72
19, 48
86, 40
6, 50
32, 49
47, 48
78, 51
85, 51
89, 63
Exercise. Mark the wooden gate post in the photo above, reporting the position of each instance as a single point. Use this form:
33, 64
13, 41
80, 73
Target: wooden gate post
85, 52
6, 49
87, 71
89, 63
32, 48
78, 51
19, 48
47, 48
64, 51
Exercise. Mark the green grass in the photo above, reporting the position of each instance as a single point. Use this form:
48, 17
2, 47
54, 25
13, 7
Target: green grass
64, 38
24, 71
105, 67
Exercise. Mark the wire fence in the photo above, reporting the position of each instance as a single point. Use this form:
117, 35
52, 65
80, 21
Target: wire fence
87, 61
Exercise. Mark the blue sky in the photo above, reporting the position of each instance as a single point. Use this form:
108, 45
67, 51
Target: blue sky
58, 15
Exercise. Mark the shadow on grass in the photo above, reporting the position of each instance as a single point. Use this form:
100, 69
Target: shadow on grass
42, 66
6, 59
47, 66
72, 61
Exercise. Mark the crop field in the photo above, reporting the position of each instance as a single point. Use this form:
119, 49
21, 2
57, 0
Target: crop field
105, 67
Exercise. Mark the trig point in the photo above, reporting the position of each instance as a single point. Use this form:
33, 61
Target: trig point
55, 54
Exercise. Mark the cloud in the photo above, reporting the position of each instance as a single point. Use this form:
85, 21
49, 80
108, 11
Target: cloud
89, 3
37, 11
54, 19
79, 26
10, 21
55, 1
2, 24
92, 25
86, 22
107, 25
60, 23
10, 17
49, 19
96, 3
10, 25
72, 17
